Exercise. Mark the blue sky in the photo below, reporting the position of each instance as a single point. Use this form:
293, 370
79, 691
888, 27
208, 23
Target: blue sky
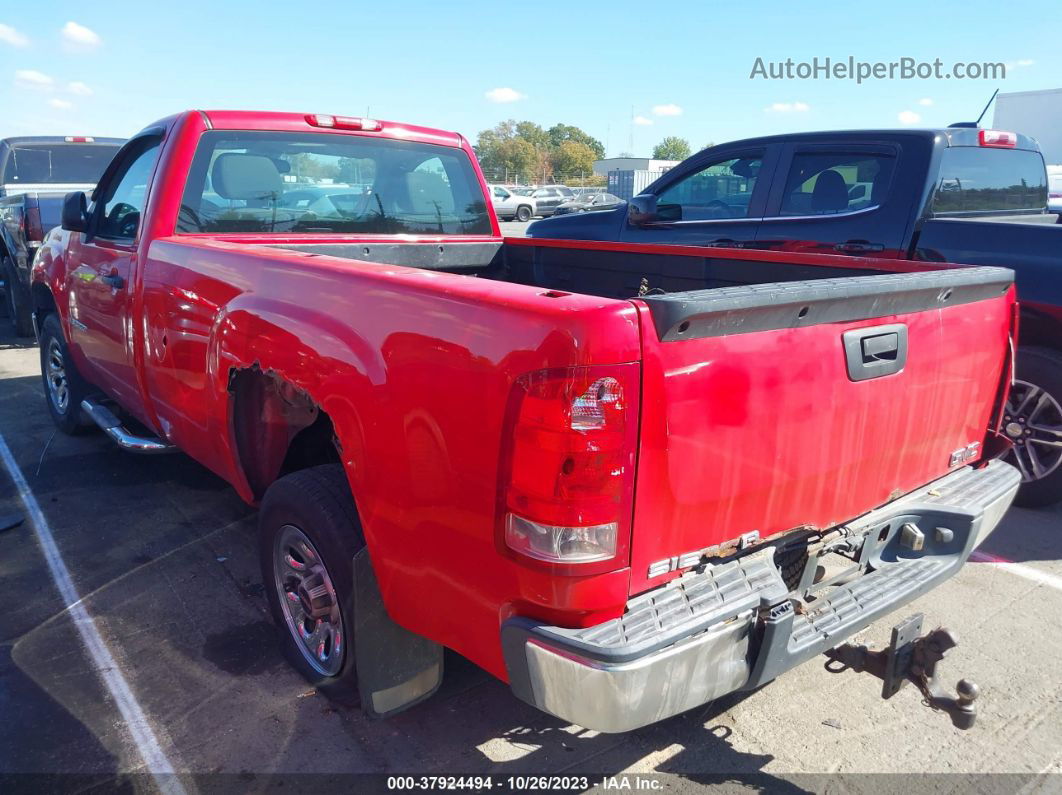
112, 68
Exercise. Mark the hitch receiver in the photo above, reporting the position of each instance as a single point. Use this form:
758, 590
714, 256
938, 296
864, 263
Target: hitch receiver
911, 658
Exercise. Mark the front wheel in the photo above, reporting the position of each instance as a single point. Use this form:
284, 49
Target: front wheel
64, 388
1033, 422
523, 213
308, 535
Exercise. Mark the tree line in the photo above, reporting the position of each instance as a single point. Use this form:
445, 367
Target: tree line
522, 151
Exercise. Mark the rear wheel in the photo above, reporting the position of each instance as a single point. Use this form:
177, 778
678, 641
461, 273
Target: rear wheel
1033, 421
523, 213
308, 534
64, 388
18, 301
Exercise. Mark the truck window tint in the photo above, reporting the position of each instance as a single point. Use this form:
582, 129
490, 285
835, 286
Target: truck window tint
829, 183
977, 179
123, 197
312, 183
57, 163
720, 190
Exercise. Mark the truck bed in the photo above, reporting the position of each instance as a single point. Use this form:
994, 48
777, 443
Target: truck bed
761, 413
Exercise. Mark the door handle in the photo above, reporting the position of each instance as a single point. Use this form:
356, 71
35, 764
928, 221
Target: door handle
115, 281
858, 247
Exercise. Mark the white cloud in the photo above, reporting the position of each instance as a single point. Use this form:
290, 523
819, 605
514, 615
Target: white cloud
79, 88
788, 107
925, 102
642, 121
908, 117
667, 110
1022, 63
32, 79
80, 35
61, 104
502, 95
9, 35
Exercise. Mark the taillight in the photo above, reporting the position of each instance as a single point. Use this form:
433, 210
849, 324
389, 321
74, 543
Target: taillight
997, 138
567, 477
343, 122
34, 228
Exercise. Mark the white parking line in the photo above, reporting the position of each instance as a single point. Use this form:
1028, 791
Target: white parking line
1028, 572
106, 666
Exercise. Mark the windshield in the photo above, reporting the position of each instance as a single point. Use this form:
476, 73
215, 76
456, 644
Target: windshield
56, 163
316, 183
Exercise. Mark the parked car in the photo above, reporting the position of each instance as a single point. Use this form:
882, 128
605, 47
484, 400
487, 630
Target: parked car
508, 447
549, 197
35, 174
509, 205
1054, 186
956, 195
588, 202
585, 191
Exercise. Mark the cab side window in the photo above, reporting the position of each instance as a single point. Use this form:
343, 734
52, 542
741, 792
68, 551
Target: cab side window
832, 183
719, 190
123, 199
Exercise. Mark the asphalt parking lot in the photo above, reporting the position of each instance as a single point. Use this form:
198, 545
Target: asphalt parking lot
164, 558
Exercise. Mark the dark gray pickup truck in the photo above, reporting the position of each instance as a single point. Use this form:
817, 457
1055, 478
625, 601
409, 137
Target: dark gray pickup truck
35, 174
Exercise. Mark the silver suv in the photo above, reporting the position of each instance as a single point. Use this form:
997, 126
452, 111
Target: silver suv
509, 205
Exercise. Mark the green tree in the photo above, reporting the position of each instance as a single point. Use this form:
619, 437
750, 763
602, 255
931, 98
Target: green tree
533, 134
572, 158
672, 148
559, 133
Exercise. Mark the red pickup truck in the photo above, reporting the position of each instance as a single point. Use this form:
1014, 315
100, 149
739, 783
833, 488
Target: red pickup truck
622, 501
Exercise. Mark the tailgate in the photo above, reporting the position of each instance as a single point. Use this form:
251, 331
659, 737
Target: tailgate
805, 404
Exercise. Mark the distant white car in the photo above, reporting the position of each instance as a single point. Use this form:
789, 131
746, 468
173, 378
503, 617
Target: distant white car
1054, 190
509, 205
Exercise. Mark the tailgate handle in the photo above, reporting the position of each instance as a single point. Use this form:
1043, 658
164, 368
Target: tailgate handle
875, 352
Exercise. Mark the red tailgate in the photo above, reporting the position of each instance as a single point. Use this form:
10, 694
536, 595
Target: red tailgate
751, 420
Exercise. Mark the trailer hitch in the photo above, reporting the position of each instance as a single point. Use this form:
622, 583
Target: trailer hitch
911, 658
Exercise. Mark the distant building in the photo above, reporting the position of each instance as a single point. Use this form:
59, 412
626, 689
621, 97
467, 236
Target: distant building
603, 167
1035, 113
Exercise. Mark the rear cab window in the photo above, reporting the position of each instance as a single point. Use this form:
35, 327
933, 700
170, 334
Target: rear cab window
314, 183
978, 181
56, 163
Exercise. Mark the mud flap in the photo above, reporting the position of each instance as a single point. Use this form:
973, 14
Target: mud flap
396, 668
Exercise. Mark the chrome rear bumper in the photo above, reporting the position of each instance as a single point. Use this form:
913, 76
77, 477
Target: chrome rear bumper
733, 626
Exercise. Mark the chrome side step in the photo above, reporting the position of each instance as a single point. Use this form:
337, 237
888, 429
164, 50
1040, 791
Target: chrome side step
112, 426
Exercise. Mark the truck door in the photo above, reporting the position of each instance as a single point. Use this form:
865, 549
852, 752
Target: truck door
100, 263
837, 199
716, 199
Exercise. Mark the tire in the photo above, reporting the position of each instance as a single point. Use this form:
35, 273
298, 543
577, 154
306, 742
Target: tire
64, 387
18, 301
1033, 418
523, 213
317, 503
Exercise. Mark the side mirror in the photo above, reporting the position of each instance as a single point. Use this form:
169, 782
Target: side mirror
641, 210
75, 212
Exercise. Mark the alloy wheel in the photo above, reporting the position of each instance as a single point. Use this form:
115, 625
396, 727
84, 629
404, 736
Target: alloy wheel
1033, 422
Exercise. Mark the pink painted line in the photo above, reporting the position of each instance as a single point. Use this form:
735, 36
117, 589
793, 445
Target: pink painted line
1019, 569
